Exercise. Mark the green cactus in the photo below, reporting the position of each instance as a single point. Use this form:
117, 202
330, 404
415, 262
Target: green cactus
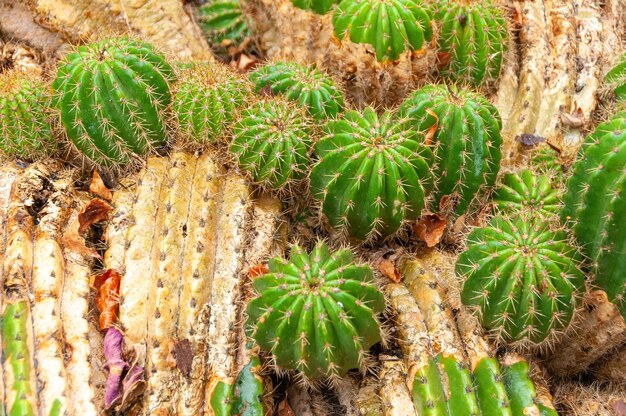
223, 23
239, 397
595, 206
525, 191
207, 100
317, 313
547, 161
521, 278
318, 6
466, 137
472, 40
112, 96
24, 126
272, 142
390, 26
616, 79
307, 86
372, 174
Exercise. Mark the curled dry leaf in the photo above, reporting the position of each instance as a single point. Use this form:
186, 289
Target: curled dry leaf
95, 211
73, 241
258, 270
284, 409
133, 386
107, 285
430, 134
530, 139
430, 229
443, 58
115, 365
98, 187
575, 119
389, 270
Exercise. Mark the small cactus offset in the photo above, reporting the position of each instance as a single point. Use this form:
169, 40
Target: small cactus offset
466, 137
521, 278
595, 206
616, 79
318, 6
241, 396
206, 102
472, 40
372, 174
24, 127
112, 96
271, 141
223, 23
528, 192
316, 313
390, 26
307, 86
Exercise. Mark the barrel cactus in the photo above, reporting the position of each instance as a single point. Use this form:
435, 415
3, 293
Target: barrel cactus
271, 141
206, 102
389, 26
24, 126
307, 86
616, 79
372, 174
595, 206
521, 277
318, 6
316, 313
526, 191
113, 96
472, 41
466, 137
223, 23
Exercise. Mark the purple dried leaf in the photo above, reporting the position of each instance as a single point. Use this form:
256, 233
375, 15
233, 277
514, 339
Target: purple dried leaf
133, 385
115, 365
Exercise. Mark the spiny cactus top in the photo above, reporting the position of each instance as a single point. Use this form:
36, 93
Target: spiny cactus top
372, 174
316, 313
223, 22
472, 40
308, 86
525, 191
466, 136
616, 79
113, 95
24, 120
272, 141
318, 6
522, 278
207, 100
547, 161
595, 205
390, 26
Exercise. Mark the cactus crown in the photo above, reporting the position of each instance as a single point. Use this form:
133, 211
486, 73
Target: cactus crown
525, 191
472, 41
307, 86
318, 6
316, 313
223, 23
372, 174
521, 277
24, 129
390, 26
616, 79
112, 96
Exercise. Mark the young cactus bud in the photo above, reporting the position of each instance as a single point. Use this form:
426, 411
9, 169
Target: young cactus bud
318, 6
467, 140
595, 205
223, 23
307, 86
24, 126
272, 141
472, 41
616, 79
522, 278
390, 26
524, 191
112, 96
372, 174
316, 313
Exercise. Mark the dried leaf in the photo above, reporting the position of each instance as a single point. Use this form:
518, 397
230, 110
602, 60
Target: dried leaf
115, 365
530, 139
73, 241
133, 386
258, 270
619, 406
430, 134
98, 187
95, 211
244, 63
183, 354
107, 285
443, 59
388, 269
430, 229
284, 409
576, 119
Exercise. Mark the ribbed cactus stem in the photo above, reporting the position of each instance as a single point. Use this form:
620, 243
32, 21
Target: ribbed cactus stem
528, 192
616, 79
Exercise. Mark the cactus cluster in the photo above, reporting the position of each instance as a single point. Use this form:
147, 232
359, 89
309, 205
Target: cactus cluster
616, 79
522, 278
316, 313
223, 23
372, 173
527, 192
595, 206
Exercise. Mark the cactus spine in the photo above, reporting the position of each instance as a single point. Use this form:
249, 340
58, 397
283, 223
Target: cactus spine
616, 79
112, 96
316, 313
466, 137
223, 23
390, 26
595, 206
525, 191
318, 6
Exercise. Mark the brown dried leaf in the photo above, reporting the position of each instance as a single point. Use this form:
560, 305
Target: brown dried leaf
98, 187
107, 285
95, 211
430, 134
443, 59
183, 354
244, 63
430, 229
258, 270
576, 119
74, 242
530, 139
284, 409
388, 269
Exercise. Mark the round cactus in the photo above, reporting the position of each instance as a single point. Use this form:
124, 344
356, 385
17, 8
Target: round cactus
272, 142
223, 23
595, 205
525, 191
112, 96
472, 40
318, 6
521, 277
372, 174
465, 128
316, 313
547, 161
207, 99
307, 86
24, 126
390, 26
616, 79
